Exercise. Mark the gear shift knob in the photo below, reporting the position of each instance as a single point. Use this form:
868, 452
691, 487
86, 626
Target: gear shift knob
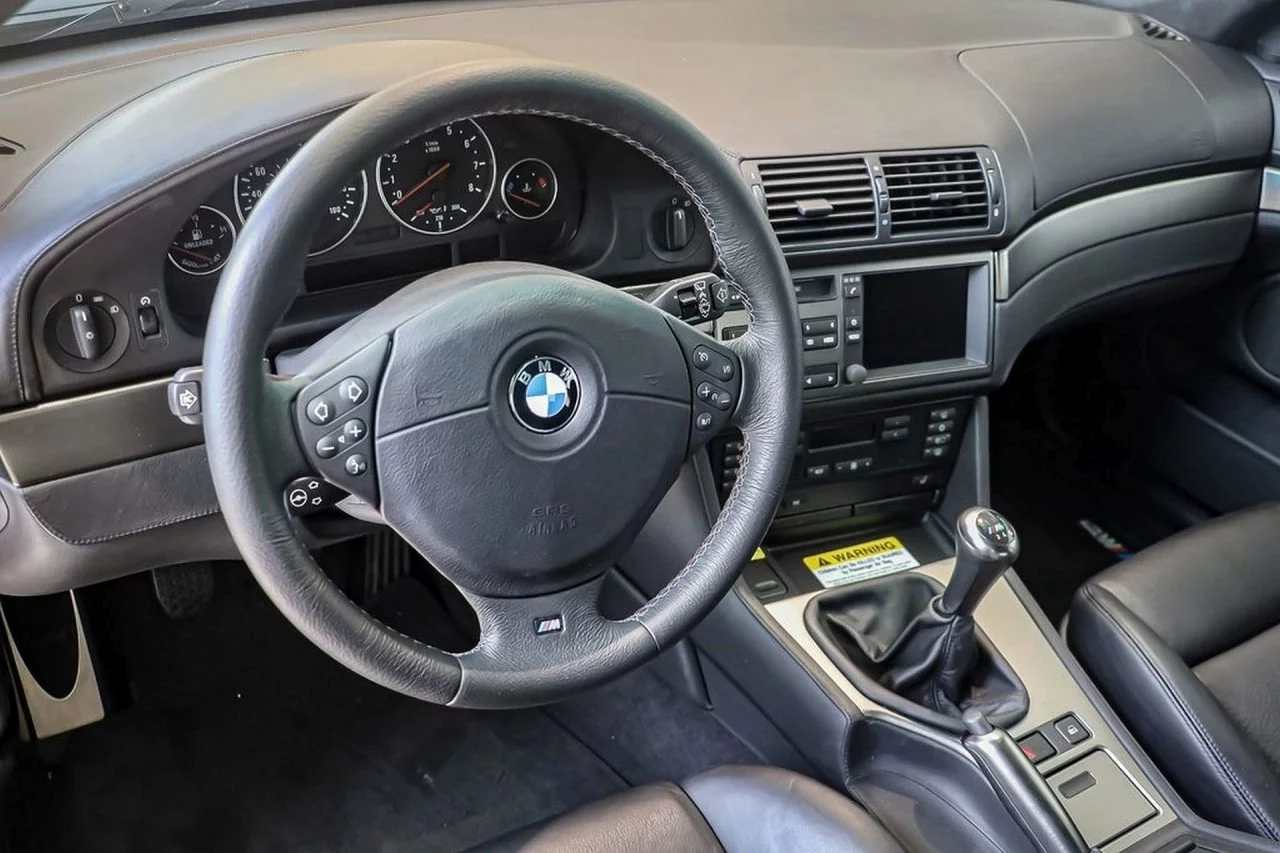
986, 546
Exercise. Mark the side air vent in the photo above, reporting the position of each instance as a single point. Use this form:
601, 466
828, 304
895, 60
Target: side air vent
817, 203
936, 192
1152, 28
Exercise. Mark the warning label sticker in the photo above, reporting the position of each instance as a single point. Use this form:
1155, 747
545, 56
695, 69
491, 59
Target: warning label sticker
860, 562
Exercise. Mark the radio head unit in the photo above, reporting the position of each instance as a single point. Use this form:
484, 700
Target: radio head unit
892, 323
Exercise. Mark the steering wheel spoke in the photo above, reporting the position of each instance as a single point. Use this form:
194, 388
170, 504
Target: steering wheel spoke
536, 649
715, 376
334, 415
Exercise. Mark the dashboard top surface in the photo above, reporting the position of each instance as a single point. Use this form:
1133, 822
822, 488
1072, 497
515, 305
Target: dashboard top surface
149, 117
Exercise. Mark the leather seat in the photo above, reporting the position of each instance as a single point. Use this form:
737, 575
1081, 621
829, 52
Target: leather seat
726, 810
1184, 639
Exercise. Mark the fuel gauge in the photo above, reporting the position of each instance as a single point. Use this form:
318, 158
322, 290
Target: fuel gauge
529, 189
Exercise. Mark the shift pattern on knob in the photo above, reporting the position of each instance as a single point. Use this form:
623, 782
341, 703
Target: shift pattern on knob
986, 546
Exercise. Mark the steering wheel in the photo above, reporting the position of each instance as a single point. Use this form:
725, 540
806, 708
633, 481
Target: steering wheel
516, 424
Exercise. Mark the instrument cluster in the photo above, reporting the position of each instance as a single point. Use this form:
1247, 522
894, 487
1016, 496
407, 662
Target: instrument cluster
497, 188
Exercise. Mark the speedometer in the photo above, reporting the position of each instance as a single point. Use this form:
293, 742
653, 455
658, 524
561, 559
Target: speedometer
440, 181
336, 222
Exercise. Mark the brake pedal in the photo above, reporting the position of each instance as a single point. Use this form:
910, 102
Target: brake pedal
183, 591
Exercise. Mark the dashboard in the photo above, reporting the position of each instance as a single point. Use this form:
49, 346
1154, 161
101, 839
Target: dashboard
504, 187
947, 183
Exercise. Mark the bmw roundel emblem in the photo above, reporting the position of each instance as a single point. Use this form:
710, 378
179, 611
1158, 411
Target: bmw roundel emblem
544, 394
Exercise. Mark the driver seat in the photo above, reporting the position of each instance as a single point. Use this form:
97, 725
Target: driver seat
725, 810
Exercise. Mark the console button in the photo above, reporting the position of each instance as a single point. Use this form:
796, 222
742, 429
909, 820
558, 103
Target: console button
899, 434
1036, 747
793, 501
733, 446
732, 333
844, 467
937, 440
942, 414
940, 427
732, 460
922, 480
822, 377
1071, 729
327, 447
852, 291
895, 421
356, 464
935, 452
818, 472
854, 322
819, 326
352, 391
853, 337
148, 321
353, 430
820, 342
321, 410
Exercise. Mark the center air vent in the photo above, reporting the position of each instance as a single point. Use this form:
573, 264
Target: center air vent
819, 202
936, 192
1152, 28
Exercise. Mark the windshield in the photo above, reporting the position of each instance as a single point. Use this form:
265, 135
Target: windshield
40, 20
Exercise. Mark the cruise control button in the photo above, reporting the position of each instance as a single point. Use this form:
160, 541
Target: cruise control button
356, 464
321, 410
353, 390
327, 447
702, 358
706, 391
722, 400
703, 421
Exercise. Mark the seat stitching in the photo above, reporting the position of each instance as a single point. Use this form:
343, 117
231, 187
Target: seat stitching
1244, 797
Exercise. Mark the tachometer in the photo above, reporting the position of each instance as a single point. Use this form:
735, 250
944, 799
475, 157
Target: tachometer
440, 181
339, 218
202, 244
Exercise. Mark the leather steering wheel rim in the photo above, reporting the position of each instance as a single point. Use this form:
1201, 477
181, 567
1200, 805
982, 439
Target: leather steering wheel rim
252, 446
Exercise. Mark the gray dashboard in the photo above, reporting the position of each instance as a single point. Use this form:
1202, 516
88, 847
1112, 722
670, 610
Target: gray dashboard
1126, 161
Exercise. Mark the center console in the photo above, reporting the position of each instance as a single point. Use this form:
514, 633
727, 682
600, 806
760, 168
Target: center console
867, 328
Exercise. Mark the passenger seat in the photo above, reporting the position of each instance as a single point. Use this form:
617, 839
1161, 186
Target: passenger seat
1184, 640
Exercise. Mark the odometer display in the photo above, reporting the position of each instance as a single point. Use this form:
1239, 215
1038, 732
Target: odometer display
440, 181
339, 217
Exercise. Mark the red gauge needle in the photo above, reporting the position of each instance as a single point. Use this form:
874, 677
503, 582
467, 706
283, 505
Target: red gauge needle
196, 255
422, 183
528, 201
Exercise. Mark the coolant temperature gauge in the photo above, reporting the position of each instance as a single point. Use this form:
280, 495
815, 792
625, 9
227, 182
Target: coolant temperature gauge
529, 189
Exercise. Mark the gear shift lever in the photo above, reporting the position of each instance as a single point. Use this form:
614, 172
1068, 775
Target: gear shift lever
914, 647
986, 546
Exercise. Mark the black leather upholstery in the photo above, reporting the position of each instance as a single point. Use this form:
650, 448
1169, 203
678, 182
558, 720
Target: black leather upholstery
1185, 641
887, 636
729, 809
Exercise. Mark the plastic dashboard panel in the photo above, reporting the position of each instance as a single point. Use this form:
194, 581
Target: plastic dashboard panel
161, 122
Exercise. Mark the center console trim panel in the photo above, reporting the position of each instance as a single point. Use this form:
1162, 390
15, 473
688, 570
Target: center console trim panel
1053, 690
